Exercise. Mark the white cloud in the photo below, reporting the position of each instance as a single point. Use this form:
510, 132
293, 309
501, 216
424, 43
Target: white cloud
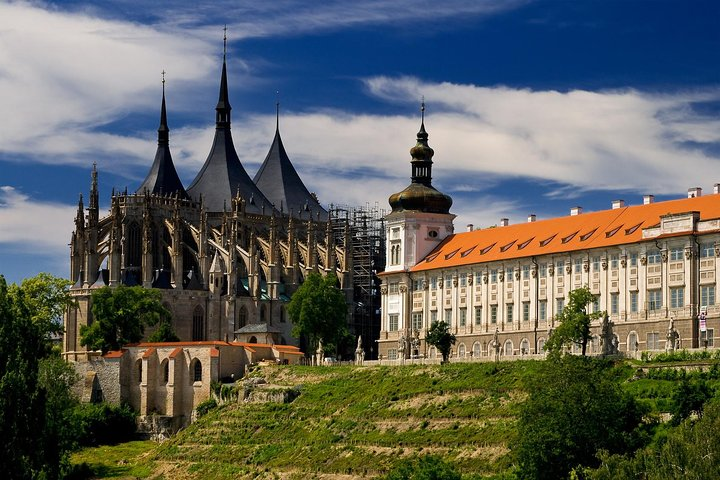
64, 75
32, 225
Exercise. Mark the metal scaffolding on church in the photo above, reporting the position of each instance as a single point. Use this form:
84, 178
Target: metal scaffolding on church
367, 232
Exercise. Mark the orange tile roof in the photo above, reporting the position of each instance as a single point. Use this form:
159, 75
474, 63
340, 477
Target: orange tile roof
114, 354
606, 228
175, 352
214, 352
148, 353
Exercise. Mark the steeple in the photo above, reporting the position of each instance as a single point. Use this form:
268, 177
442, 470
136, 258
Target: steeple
162, 179
223, 108
280, 182
420, 195
223, 177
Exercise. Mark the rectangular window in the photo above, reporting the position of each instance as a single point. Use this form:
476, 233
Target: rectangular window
478, 278
394, 287
526, 311
526, 272
463, 317
707, 336
596, 264
614, 303
707, 250
448, 281
478, 315
463, 280
509, 274
417, 285
633, 259
677, 297
543, 270
653, 341
433, 316
633, 302
417, 321
448, 317
707, 295
654, 299
542, 307
578, 265
392, 354
559, 305
393, 322
493, 275
614, 261
676, 254
560, 268
596, 304
433, 283
493, 313
509, 310
653, 257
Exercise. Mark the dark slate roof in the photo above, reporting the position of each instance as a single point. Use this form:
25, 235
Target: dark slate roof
281, 184
163, 178
223, 177
258, 328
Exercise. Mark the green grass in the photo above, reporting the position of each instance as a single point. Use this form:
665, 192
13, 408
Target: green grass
358, 422
125, 460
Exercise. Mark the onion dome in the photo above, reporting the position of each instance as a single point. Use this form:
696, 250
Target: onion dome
420, 195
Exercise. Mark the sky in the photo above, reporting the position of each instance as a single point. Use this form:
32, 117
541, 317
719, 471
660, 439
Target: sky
532, 107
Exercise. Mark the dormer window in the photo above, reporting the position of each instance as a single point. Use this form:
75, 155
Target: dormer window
432, 233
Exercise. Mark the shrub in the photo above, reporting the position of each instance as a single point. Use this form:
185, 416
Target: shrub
104, 424
204, 407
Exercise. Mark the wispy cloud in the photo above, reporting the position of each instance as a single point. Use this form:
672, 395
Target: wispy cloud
29, 224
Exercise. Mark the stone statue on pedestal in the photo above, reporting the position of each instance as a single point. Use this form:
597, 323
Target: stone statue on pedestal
606, 337
496, 345
359, 352
320, 353
672, 340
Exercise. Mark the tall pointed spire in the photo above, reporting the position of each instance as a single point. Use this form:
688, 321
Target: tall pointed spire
223, 108
162, 177
223, 177
163, 130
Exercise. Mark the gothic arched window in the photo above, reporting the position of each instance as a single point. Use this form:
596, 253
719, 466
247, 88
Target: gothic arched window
196, 370
198, 331
241, 318
134, 245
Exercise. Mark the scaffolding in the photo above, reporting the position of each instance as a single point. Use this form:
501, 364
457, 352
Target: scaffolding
366, 227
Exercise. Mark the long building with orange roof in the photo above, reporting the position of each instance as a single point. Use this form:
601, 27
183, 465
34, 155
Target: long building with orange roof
651, 267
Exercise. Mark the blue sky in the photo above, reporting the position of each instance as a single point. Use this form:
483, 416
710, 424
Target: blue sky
532, 106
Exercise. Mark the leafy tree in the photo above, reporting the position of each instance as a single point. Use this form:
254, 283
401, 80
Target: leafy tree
574, 322
576, 407
689, 397
34, 389
318, 310
691, 450
164, 332
429, 467
46, 297
120, 316
439, 336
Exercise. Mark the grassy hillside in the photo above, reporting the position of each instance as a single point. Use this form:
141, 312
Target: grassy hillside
357, 423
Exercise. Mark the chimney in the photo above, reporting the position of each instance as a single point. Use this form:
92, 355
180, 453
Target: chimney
575, 211
648, 199
618, 204
716, 188
470, 227
694, 192
504, 222
531, 218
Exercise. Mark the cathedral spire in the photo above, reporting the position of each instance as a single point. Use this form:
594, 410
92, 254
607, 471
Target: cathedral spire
163, 130
223, 108
94, 188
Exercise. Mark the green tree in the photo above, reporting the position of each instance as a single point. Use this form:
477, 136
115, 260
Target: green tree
689, 396
120, 316
428, 467
47, 298
35, 396
691, 450
164, 332
318, 310
576, 407
439, 336
574, 322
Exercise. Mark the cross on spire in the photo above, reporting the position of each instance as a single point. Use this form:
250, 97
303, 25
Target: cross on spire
225, 40
277, 109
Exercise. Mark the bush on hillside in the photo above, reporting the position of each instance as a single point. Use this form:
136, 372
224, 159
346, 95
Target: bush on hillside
104, 424
429, 467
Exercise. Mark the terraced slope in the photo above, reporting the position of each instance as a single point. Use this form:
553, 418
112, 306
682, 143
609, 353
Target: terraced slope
356, 423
